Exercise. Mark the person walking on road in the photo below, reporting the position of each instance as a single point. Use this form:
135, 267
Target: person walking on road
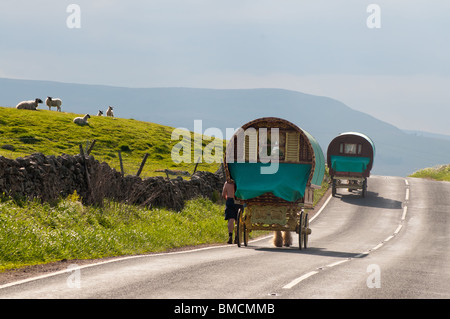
230, 208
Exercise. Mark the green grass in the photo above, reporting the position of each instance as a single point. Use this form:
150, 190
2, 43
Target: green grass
34, 233
23, 132
438, 173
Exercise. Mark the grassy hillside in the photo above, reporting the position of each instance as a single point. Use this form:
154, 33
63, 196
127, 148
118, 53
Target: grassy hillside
23, 132
439, 173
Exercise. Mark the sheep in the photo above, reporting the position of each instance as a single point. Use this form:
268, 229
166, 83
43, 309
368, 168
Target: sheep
81, 120
53, 102
100, 113
29, 105
109, 111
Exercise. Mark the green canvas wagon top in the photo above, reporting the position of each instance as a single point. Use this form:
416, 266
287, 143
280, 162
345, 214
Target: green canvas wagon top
272, 160
350, 154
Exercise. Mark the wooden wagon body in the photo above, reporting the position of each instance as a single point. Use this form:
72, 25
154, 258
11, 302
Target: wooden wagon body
275, 166
350, 159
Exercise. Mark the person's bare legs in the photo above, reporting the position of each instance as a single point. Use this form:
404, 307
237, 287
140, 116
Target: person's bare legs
230, 230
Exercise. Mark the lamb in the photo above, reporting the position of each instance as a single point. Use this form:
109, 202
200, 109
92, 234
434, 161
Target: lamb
29, 105
109, 111
81, 120
100, 113
53, 102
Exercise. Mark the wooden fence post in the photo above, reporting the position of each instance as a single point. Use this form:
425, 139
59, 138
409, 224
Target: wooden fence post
89, 150
121, 164
196, 164
142, 164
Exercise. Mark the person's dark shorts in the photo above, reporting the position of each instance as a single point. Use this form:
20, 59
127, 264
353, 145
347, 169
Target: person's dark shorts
230, 209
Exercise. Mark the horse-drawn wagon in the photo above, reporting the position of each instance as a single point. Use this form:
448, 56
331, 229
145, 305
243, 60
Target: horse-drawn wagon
275, 166
350, 158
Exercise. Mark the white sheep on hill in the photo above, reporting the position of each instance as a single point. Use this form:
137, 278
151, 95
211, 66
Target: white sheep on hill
100, 113
109, 111
55, 102
29, 105
81, 120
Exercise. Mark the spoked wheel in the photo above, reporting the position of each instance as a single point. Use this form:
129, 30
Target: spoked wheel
301, 235
245, 231
245, 235
240, 228
303, 231
306, 231
364, 188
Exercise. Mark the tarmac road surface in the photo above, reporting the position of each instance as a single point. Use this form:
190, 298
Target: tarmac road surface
392, 244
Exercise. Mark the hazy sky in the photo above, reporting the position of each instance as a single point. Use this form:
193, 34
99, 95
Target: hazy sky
399, 72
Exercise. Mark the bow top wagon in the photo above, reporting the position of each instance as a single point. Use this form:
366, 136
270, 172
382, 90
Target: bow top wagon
350, 158
275, 166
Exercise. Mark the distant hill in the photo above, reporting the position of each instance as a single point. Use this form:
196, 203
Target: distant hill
427, 134
397, 153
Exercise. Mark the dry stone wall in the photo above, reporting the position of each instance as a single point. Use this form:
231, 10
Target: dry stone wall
50, 178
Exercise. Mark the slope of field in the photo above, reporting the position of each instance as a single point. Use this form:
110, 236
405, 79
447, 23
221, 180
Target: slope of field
23, 132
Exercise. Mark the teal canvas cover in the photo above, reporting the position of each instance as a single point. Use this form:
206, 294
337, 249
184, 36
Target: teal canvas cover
319, 167
288, 183
349, 163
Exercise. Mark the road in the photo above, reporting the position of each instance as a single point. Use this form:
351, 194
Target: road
391, 244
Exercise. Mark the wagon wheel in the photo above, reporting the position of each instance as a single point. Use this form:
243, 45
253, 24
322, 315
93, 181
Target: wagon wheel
306, 231
245, 235
333, 188
245, 230
364, 187
240, 228
300, 231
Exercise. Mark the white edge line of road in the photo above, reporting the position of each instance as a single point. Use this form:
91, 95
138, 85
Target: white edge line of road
69, 270
107, 262
321, 209
56, 273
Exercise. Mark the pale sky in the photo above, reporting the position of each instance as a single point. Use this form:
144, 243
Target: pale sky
399, 72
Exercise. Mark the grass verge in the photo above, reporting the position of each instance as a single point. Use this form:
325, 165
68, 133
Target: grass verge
438, 173
33, 233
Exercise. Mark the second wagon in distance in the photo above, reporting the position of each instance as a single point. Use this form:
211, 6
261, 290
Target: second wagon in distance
350, 158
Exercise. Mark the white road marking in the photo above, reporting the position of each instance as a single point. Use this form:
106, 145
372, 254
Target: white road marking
377, 246
404, 212
398, 229
300, 279
337, 263
111, 261
362, 254
311, 273
321, 209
